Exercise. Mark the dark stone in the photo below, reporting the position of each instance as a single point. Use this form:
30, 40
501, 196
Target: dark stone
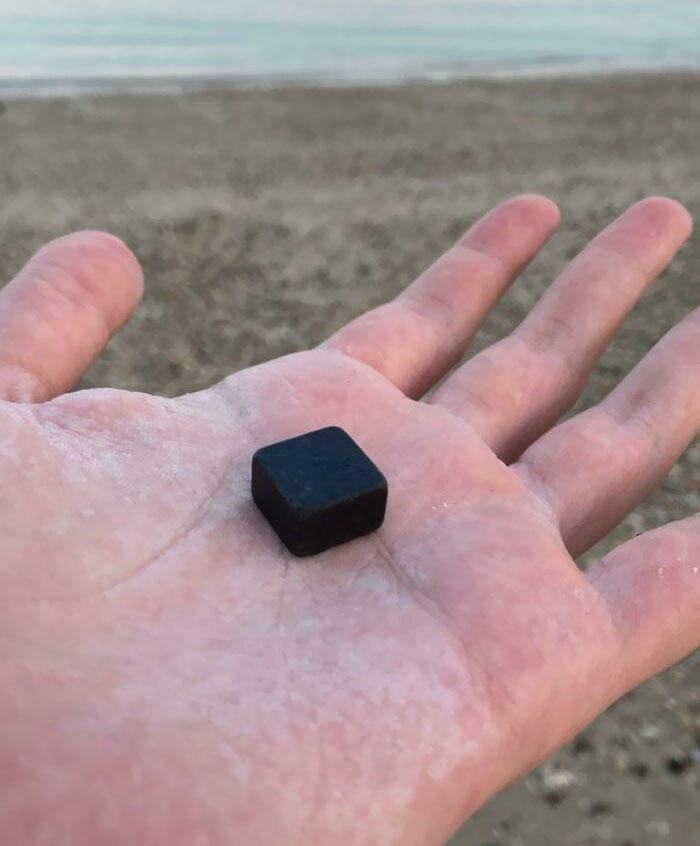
554, 797
640, 770
582, 745
318, 490
678, 764
600, 809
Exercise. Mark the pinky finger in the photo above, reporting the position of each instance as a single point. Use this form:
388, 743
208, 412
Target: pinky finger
651, 585
60, 311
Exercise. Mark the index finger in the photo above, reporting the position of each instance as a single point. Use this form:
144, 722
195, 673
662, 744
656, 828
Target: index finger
415, 339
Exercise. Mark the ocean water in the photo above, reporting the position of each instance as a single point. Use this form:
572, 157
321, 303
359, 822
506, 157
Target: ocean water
51, 43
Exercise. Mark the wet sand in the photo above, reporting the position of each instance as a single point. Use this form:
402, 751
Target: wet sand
265, 219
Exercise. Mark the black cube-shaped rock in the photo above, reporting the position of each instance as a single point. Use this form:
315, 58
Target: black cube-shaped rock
318, 490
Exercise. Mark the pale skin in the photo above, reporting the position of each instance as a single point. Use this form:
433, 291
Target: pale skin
171, 675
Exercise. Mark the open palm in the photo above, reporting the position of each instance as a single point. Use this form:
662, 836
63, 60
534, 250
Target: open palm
171, 675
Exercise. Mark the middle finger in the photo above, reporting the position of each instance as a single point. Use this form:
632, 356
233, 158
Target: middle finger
517, 389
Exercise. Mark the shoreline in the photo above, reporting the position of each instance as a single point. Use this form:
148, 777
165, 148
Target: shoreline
71, 87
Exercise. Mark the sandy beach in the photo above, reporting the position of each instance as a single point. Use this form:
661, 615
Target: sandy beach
266, 218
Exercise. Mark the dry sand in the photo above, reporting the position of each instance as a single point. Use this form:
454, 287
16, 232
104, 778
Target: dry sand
264, 219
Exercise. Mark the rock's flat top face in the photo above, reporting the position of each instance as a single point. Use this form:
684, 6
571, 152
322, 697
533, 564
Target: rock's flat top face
319, 470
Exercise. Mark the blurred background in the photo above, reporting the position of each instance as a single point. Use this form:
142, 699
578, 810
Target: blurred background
279, 167
88, 41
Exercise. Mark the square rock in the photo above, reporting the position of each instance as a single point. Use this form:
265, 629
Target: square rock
318, 490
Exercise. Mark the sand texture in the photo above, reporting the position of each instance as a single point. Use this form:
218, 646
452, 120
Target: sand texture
265, 219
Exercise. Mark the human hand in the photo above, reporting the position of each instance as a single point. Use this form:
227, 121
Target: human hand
171, 675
